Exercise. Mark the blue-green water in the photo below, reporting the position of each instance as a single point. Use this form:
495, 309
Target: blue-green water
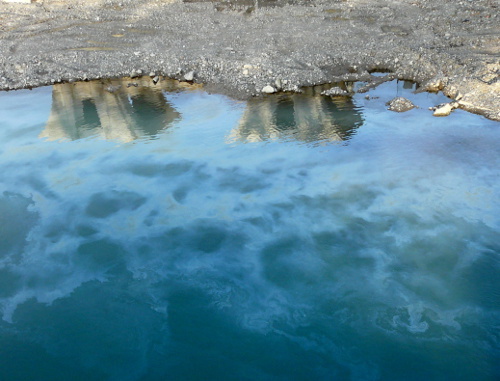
149, 235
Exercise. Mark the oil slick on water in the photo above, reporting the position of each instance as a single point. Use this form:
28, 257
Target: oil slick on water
152, 233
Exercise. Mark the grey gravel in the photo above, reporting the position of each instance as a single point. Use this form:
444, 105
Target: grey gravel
239, 47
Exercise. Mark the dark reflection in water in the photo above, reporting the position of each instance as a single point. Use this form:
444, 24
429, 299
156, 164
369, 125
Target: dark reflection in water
307, 117
113, 110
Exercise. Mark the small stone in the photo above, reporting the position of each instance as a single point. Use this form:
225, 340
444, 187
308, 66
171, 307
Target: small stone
134, 74
335, 91
152, 74
245, 72
444, 109
189, 76
278, 84
132, 84
268, 89
400, 104
156, 79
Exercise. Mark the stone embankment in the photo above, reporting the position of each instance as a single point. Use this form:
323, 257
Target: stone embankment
245, 48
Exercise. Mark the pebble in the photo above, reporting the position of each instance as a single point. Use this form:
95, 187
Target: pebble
189, 76
400, 104
156, 79
268, 89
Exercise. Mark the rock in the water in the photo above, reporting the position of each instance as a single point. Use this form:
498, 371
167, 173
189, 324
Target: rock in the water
400, 104
156, 79
335, 91
189, 76
268, 89
444, 109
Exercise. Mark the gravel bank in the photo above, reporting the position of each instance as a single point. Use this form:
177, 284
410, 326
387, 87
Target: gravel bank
244, 48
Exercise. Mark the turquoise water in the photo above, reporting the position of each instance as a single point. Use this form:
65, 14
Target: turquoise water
148, 234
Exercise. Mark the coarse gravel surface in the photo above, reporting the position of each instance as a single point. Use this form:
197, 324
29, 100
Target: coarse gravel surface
243, 47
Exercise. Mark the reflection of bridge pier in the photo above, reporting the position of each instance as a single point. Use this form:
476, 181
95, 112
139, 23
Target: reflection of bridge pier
306, 117
111, 110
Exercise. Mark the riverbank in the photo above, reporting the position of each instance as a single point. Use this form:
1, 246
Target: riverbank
243, 47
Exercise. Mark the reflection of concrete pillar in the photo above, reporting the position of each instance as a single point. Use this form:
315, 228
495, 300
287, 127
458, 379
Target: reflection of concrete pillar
304, 117
87, 108
115, 111
314, 119
257, 121
66, 114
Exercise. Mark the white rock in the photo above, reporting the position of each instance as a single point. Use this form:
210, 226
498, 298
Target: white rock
268, 89
443, 110
189, 76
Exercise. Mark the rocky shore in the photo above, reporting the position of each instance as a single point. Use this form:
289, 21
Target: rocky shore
246, 48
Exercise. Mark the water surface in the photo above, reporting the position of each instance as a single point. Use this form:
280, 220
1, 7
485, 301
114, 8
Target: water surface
153, 233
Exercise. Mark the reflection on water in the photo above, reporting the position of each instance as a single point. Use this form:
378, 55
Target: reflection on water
125, 110
179, 256
119, 109
306, 117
